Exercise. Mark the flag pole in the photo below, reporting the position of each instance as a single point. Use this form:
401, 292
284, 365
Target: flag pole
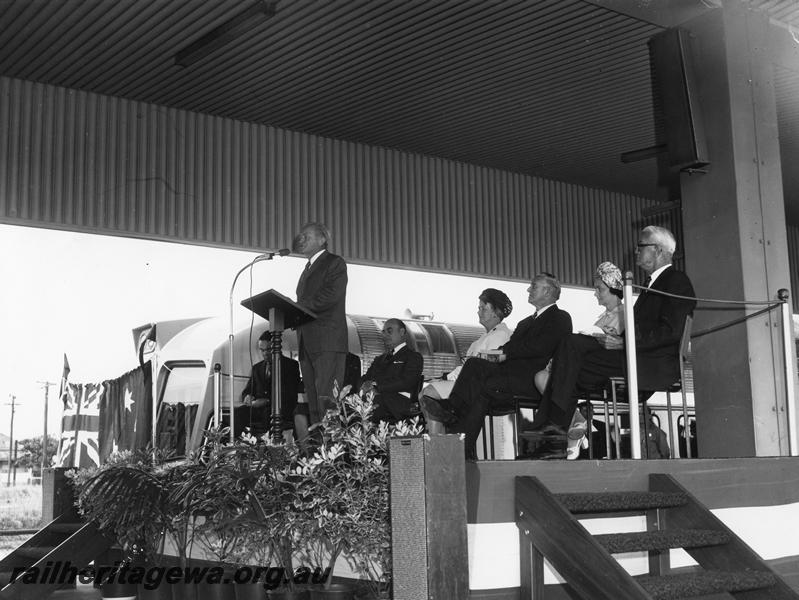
61, 391
75, 450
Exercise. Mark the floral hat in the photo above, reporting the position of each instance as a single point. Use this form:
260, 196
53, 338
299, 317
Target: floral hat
610, 275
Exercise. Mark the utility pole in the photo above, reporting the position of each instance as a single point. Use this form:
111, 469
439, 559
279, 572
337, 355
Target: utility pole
11, 439
46, 385
16, 456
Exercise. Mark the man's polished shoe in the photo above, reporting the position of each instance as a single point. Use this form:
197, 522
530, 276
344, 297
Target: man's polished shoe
546, 428
552, 430
549, 450
433, 410
546, 432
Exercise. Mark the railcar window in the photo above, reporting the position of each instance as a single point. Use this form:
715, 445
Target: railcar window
185, 385
440, 340
422, 345
182, 393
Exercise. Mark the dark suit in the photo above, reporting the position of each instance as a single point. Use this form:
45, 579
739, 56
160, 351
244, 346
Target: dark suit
322, 289
395, 373
528, 350
582, 363
260, 387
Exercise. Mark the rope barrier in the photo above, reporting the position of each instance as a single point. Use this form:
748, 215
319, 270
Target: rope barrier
771, 303
731, 323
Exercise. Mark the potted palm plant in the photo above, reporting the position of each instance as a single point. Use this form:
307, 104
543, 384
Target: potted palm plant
273, 516
125, 498
243, 496
209, 498
343, 492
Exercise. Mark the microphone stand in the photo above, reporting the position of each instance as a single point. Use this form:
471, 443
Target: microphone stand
231, 378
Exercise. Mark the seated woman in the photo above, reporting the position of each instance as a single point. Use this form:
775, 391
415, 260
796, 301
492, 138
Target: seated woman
493, 306
396, 376
608, 285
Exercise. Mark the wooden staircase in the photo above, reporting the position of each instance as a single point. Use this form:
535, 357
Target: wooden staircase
550, 529
63, 542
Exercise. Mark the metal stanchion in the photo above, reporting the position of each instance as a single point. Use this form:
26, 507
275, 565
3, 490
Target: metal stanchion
790, 366
217, 394
231, 377
632, 366
154, 419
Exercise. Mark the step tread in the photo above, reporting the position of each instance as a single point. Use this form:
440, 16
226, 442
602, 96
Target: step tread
684, 585
65, 527
36, 552
636, 541
605, 502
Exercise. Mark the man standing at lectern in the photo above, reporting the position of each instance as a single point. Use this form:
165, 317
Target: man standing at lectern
322, 289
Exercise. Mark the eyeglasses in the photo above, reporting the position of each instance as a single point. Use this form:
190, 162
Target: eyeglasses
644, 245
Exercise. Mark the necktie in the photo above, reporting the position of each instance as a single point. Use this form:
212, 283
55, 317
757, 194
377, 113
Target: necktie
303, 277
535, 315
647, 282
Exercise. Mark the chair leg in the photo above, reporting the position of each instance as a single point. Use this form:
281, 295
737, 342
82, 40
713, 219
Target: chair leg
607, 429
616, 420
672, 441
687, 428
491, 435
645, 431
516, 420
484, 432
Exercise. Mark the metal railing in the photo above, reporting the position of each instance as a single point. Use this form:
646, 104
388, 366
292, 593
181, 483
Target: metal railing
788, 341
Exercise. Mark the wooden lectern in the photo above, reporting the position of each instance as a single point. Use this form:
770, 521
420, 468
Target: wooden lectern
282, 313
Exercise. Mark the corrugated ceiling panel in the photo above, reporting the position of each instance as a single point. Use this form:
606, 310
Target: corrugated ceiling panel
555, 88
94, 163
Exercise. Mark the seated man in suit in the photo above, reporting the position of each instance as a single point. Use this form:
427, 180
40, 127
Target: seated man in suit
526, 352
585, 362
257, 394
396, 376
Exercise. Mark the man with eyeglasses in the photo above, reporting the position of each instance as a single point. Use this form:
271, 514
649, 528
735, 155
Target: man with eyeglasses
396, 376
256, 398
583, 363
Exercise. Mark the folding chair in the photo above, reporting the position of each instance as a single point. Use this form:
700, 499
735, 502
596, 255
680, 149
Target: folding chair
506, 404
617, 386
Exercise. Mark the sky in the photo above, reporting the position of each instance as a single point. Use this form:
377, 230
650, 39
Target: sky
81, 295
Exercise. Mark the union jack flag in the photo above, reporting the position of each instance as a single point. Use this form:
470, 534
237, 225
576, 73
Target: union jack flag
80, 425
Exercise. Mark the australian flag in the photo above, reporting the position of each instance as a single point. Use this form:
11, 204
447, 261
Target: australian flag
126, 412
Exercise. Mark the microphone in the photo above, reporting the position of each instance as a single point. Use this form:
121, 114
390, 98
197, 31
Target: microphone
271, 255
